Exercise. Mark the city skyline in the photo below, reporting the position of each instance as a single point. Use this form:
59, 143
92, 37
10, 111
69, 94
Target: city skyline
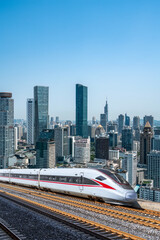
112, 47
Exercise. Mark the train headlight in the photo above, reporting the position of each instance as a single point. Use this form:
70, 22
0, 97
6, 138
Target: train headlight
131, 196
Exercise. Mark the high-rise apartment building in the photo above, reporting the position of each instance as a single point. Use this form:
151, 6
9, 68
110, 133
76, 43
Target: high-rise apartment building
45, 150
82, 150
6, 128
41, 95
136, 128
103, 121
57, 119
30, 121
145, 143
129, 163
91, 132
61, 142
112, 126
113, 139
149, 119
127, 120
120, 123
20, 131
156, 139
153, 160
71, 140
102, 148
136, 122
127, 138
157, 131
81, 111
93, 120
73, 130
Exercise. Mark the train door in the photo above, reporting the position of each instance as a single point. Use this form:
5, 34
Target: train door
81, 181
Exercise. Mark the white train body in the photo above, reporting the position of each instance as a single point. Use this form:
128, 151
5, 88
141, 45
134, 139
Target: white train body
91, 183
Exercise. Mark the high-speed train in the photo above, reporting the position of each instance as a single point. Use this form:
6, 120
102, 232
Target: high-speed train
100, 184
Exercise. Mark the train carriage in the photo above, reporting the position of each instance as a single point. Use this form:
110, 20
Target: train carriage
91, 183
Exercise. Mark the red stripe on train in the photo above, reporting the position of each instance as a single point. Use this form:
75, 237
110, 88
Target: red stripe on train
104, 185
72, 184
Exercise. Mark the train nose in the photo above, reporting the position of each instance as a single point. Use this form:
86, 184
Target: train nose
130, 196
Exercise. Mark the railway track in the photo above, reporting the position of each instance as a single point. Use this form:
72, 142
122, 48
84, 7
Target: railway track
97, 230
120, 207
129, 217
7, 233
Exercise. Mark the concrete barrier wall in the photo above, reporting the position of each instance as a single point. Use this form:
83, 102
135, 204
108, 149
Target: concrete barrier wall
149, 205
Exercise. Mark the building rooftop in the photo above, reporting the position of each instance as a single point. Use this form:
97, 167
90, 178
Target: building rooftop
5, 95
147, 125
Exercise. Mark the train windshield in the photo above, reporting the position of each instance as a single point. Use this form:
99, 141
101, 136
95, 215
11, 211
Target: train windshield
115, 176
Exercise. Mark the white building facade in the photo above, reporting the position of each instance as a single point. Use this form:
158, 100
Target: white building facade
113, 154
82, 150
129, 163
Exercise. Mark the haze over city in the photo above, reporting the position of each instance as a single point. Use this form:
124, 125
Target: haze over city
112, 47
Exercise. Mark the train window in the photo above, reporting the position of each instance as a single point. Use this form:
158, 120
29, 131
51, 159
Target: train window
101, 178
62, 179
54, 178
75, 179
115, 176
89, 181
70, 179
120, 179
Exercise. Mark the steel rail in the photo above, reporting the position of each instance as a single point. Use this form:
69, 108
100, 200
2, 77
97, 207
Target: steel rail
90, 227
143, 211
101, 210
9, 232
109, 212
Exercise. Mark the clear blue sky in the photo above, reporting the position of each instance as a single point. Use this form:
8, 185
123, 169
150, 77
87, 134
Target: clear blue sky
111, 46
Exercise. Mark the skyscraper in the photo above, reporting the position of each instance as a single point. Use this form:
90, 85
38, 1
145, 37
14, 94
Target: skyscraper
127, 120
30, 121
104, 117
6, 128
40, 110
136, 122
103, 121
129, 163
127, 138
113, 138
102, 148
136, 128
82, 150
120, 123
145, 143
106, 110
153, 160
81, 111
45, 149
61, 142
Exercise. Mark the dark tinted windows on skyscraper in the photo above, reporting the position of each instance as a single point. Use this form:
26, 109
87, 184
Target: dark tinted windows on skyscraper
81, 111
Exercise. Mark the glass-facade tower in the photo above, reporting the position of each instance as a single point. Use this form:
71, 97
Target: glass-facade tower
6, 128
81, 111
30, 121
41, 95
